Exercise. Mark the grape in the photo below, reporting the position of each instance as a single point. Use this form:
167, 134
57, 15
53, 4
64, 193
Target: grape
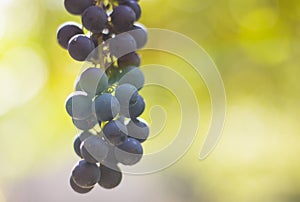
85, 174
134, 109
94, 149
122, 18
132, 75
130, 152
93, 81
140, 36
126, 94
66, 32
115, 132
130, 59
106, 107
137, 108
110, 160
110, 178
76, 7
85, 124
78, 140
79, 105
79, 189
94, 19
134, 6
80, 47
138, 130
122, 44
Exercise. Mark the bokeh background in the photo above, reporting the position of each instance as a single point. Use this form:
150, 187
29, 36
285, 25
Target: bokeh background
254, 43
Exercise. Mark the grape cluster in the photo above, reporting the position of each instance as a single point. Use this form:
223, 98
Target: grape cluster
105, 105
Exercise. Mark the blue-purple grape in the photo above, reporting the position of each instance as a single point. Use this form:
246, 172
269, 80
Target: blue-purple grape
94, 149
66, 32
94, 19
85, 174
79, 105
130, 152
115, 132
134, 6
122, 18
106, 106
110, 178
80, 47
93, 81
130, 59
132, 75
138, 130
79, 189
76, 7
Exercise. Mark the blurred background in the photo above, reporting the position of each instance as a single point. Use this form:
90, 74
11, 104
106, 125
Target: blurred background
256, 47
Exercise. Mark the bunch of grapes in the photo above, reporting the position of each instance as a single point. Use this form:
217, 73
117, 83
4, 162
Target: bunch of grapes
106, 103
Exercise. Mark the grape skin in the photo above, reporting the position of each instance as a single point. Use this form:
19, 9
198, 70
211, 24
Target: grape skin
85, 124
126, 94
66, 32
137, 108
93, 81
85, 174
138, 130
132, 75
94, 19
130, 152
122, 44
80, 47
106, 106
134, 6
79, 189
76, 7
140, 36
122, 18
115, 132
79, 105
110, 178
94, 149
78, 140
130, 59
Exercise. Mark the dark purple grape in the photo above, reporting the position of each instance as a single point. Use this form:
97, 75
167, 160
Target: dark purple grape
137, 108
79, 189
106, 106
94, 149
76, 7
138, 130
110, 178
78, 140
140, 36
122, 18
132, 75
94, 19
122, 44
85, 174
134, 6
85, 124
130, 152
66, 32
130, 59
115, 132
80, 47
93, 81
126, 94
79, 105
110, 160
